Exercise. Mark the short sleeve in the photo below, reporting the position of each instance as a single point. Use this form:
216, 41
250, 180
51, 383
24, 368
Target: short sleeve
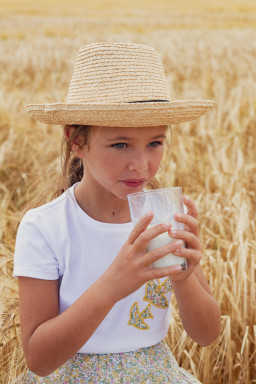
33, 255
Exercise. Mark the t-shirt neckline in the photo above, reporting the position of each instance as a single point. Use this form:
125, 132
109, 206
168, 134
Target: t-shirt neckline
87, 218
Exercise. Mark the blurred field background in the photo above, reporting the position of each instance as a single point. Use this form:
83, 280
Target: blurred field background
209, 51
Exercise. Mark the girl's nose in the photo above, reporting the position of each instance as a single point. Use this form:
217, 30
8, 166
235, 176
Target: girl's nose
138, 162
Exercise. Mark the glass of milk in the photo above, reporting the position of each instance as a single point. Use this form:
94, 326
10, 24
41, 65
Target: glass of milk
164, 203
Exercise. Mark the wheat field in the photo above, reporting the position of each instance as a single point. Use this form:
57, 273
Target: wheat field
208, 51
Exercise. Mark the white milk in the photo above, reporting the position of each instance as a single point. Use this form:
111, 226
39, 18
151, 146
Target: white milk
169, 259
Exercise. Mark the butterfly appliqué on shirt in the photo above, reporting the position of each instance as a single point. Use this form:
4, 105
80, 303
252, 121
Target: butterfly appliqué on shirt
136, 317
155, 294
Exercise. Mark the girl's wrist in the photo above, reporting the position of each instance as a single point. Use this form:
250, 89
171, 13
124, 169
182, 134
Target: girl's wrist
187, 279
109, 290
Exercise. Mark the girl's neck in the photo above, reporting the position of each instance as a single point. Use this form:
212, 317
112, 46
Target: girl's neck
102, 207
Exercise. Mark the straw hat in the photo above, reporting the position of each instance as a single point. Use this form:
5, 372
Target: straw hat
119, 84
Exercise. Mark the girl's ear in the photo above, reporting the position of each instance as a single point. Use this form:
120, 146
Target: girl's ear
68, 131
78, 143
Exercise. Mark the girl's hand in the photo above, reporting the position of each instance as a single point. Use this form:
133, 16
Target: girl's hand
191, 237
132, 267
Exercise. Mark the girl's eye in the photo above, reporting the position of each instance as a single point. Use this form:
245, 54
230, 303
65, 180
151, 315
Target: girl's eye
119, 145
154, 144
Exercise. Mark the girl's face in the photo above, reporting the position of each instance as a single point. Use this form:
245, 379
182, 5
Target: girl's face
120, 161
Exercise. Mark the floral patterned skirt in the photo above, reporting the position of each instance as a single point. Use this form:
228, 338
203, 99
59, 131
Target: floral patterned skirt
154, 364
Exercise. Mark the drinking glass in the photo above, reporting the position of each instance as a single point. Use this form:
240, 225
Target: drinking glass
164, 203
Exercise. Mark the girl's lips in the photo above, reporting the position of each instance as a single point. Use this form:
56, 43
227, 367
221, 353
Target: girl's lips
133, 183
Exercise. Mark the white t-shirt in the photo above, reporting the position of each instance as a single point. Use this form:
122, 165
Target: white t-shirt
60, 241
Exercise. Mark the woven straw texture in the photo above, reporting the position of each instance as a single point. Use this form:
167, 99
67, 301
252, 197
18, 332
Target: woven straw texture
119, 84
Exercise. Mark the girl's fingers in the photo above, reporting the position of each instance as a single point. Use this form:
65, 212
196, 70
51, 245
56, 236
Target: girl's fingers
192, 210
190, 238
144, 237
193, 256
189, 221
158, 273
176, 272
140, 227
158, 253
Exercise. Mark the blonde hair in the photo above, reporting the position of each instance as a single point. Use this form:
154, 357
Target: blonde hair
71, 165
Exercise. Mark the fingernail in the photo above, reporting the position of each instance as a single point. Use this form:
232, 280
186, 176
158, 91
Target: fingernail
177, 252
178, 215
176, 268
179, 243
174, 233
148, 214
185, 196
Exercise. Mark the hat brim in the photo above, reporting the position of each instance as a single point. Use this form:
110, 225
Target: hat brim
137, 114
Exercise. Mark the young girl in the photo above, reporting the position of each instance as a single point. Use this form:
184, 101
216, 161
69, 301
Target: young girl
92, 309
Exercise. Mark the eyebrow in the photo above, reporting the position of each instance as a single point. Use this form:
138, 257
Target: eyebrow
126, 138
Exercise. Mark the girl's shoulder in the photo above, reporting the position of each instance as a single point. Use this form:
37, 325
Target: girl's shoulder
52, 210
53, 204
36, 249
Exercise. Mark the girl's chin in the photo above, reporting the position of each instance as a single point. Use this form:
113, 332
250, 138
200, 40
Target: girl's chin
121, 193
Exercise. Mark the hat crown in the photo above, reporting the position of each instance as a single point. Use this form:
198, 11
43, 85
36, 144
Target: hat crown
110, 73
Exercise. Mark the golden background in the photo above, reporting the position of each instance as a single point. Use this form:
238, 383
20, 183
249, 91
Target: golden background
208, 49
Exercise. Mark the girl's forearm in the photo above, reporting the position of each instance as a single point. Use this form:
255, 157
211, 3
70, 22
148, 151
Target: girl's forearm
58, 339
198, 309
